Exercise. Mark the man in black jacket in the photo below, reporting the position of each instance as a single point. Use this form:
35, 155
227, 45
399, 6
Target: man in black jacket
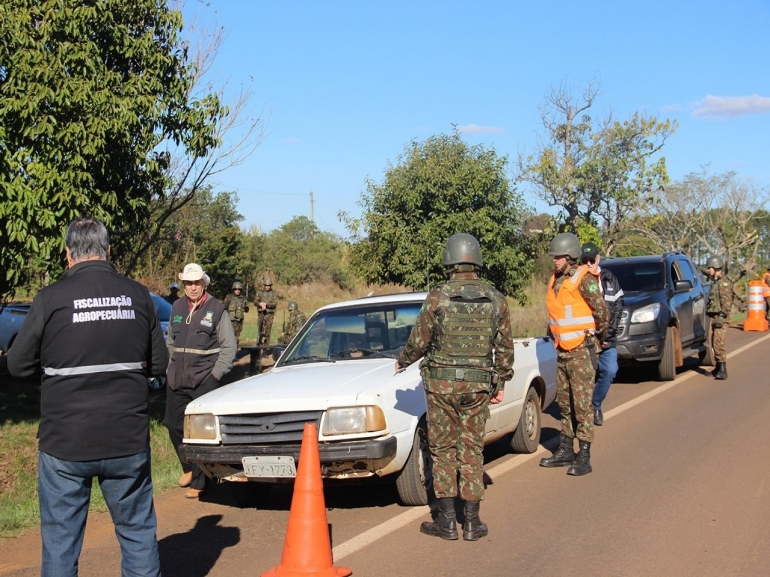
608, 358
97, 338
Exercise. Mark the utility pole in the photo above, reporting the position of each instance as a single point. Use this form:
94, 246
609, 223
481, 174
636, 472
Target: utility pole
312, 218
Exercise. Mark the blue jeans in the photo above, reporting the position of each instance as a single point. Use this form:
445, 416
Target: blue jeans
64, 490
608, 368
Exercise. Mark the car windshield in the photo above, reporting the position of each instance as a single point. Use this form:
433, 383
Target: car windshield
377, 330
638, 277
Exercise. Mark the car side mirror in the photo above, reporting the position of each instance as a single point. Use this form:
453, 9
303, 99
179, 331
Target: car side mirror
277, 351
682, 286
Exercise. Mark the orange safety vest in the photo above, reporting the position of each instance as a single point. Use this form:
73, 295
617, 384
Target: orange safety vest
571, 317
766, 285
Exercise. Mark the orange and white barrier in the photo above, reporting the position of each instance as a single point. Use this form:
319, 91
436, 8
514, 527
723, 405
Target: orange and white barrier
755, 320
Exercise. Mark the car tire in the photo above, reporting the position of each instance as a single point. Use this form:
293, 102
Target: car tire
706, 358
415, 481
526, 438
667, 365
249, 495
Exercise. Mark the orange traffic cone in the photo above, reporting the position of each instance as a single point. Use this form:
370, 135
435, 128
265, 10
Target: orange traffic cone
755, 318
307, 550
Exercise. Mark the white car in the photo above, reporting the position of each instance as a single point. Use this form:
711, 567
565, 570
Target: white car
338, 372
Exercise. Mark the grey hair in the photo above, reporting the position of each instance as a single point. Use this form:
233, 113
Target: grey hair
87, 238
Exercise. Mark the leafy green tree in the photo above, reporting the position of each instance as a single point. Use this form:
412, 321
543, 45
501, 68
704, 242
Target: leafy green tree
440, 187
597, 172
298, 252
94, 95
205, 231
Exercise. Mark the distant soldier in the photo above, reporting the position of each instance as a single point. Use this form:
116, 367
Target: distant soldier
237, 306
766, 292
720, 303
579, 321
266, 302
292, 325
173, 293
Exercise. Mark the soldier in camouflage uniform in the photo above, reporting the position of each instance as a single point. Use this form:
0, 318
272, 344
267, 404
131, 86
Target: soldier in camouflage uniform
266, 302
578, 316
720, 303
459, 326
237, 306
290, 328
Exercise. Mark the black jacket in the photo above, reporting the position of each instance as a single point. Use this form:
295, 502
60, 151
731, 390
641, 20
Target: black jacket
613, 296
97, 337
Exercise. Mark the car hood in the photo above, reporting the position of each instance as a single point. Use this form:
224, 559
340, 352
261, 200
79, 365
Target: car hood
305, 387
633, 301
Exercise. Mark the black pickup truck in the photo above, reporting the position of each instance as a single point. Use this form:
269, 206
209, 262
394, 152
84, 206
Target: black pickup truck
664, 318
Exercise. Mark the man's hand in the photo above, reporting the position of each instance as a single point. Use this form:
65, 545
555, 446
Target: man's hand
399, 368
497, 398
263, 306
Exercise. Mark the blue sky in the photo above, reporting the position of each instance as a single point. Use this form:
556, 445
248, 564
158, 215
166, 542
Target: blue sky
347, 85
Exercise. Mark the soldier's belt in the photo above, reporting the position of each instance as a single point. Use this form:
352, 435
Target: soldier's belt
472, 375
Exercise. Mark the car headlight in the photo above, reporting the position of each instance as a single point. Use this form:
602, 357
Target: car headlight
646, 314
347, 420
200, 426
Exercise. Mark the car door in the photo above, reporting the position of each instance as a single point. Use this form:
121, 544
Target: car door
683, 301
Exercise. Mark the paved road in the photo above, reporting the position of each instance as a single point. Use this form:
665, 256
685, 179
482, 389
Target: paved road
680, 487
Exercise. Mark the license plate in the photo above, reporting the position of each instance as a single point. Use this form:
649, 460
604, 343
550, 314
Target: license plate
269, 466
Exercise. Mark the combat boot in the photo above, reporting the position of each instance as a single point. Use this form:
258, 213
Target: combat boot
721, 372
563, 456
473, 528
445, 525
582, 464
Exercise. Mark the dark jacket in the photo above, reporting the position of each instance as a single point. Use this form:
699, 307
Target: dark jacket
97, 338
205, 346
613, 297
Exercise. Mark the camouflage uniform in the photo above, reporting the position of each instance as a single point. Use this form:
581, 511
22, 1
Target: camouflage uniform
237, 306
456, 378
291, 328
266, 317
720, 303
575, 370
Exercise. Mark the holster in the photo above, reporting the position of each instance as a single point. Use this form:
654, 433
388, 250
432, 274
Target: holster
592, 344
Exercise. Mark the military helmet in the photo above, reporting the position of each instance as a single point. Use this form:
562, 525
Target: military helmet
292, 306
237, 285
268, 281
565, 244
714, 262
462, 248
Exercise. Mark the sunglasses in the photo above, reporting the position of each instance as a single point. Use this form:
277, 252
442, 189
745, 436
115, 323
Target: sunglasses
588, 261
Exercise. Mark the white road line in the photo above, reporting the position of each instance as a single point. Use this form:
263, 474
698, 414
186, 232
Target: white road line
370, 536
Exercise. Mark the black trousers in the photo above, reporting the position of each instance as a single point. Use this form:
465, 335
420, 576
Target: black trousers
176, 402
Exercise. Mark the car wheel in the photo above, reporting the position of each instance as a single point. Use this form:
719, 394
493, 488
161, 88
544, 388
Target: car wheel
667, 365
526, 438
249, 495
706, 357
415, 482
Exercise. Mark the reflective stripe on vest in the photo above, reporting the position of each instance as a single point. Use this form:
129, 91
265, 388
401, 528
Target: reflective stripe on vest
89, 369
570, 316
195, 351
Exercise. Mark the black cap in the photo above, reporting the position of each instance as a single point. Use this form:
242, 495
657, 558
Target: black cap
589, 251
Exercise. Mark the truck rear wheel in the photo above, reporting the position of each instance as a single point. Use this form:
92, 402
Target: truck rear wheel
526, 438
415, 482
667, 365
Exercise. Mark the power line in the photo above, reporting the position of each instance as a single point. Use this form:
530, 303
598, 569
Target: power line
239, 188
